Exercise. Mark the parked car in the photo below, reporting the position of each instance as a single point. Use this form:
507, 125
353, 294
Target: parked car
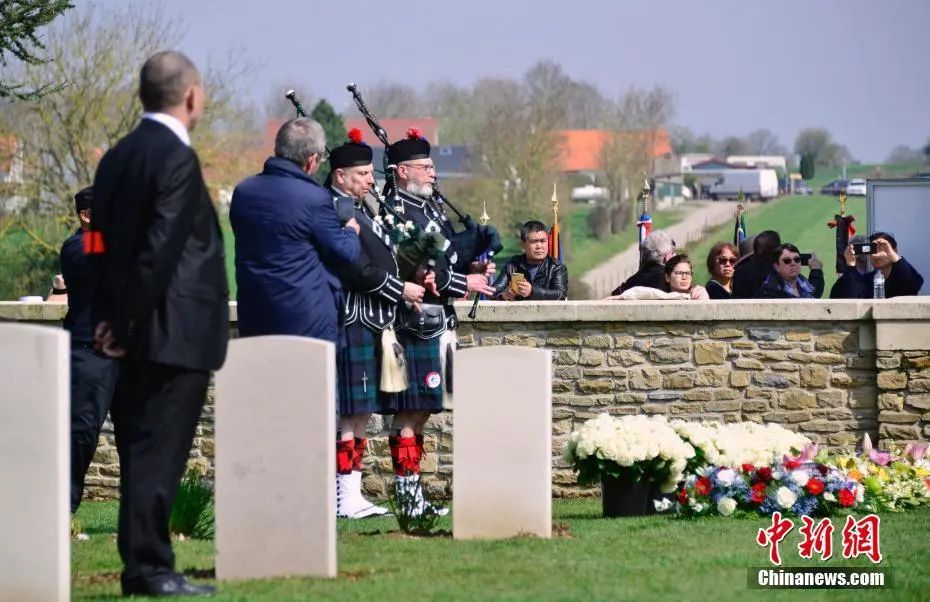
856, 187
835, 187
801, 187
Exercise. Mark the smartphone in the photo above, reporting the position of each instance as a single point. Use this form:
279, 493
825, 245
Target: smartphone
345, 209
864, 248
515, 279
806, 258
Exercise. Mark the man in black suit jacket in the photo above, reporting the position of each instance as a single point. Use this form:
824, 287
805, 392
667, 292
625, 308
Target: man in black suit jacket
160, 304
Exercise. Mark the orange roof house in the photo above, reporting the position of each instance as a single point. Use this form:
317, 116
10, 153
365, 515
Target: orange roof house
581, 149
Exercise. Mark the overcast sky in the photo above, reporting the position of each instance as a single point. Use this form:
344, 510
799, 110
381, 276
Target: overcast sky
860, 68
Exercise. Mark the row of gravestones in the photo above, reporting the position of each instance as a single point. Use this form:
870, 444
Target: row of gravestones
275, 458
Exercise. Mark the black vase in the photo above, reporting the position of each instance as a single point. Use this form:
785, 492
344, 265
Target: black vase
623, 496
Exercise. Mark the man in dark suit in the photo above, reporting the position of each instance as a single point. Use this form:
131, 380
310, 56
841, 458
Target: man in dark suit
289, 242
93, 375
160, 303
752, 273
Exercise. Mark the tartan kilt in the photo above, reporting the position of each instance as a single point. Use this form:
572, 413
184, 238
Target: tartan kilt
424, 371
359, 372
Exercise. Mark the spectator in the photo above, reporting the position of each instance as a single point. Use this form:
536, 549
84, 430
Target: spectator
786, 281
721, 263
893, 276
657, 248
749, 275
679, 274
745, 249
544, 278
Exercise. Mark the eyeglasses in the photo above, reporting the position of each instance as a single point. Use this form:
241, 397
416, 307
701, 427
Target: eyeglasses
430, 167
726, 260
681, 274
790, 260
324, 156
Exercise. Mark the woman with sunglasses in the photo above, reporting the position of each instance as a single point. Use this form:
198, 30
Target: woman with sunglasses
786, 282
721, 263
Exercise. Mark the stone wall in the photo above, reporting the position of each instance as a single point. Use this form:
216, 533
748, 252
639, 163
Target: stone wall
831, 370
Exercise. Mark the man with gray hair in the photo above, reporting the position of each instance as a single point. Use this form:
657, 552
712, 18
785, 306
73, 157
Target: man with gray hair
159, 303
289, 243
656, 249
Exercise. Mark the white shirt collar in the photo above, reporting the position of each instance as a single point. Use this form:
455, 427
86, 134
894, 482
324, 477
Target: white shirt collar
172, 123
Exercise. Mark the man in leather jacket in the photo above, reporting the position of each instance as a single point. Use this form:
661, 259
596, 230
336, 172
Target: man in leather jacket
544, 278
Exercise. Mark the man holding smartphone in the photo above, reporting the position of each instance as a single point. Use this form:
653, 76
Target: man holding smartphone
893, 276
533, 275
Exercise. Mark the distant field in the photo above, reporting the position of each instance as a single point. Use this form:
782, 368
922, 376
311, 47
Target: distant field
800, 220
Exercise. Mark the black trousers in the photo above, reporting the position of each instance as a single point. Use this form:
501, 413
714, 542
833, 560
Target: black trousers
155, 414
93, 380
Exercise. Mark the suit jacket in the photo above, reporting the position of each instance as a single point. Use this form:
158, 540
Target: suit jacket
161, 277
749, 276
288, 247
550, 283
903, 280
74, 269
372, 286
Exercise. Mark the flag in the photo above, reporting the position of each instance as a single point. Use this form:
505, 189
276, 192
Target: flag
739, 229
645, 227
555, 241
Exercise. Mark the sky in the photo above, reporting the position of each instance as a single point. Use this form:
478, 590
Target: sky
860, 68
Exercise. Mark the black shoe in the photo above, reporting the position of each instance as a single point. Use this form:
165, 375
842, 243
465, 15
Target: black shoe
167, 585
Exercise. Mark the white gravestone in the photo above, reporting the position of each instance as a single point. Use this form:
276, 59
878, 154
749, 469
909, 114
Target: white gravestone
502, 437
35, 394
276, 459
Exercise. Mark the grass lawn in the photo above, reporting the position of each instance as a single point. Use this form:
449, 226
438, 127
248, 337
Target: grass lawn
800, 220
649, 558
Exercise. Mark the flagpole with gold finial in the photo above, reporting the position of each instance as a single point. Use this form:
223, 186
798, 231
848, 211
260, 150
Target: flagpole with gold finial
555, 235
484, 219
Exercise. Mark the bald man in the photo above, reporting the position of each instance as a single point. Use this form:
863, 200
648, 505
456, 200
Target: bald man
160, 306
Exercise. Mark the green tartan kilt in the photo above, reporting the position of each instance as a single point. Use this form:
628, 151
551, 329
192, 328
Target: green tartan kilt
424, 372
359, 370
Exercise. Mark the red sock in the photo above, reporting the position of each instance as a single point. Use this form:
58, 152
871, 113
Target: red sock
345, 454
405, 455
360, 446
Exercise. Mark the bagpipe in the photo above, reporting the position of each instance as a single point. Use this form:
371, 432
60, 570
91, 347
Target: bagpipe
475, 242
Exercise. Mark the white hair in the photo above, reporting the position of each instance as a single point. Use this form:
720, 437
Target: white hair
657, 245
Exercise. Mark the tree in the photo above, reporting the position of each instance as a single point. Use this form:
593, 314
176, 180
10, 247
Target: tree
733, 145
926, 150
389, 100
335, 129
19, 39
905, 154
62, 137
819, 144
629, 150
764, 142
807, 166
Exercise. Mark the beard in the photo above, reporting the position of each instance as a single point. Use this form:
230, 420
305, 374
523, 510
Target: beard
421, 190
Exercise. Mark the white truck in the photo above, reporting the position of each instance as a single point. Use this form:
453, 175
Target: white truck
756, 184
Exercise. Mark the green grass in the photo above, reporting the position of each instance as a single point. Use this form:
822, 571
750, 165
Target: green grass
903, 170
649, 558
800, 220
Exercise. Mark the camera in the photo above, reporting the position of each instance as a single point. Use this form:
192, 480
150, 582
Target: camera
864, 248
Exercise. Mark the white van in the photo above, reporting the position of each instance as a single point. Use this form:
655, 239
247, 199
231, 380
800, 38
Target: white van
756, 184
